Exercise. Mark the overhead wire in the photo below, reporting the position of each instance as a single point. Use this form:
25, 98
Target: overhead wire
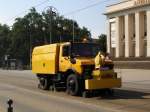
66, 14
85, 8
11, 18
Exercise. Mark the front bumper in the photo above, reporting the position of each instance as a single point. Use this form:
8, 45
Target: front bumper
94, 84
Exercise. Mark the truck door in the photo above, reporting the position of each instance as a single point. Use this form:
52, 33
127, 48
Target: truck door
64, 62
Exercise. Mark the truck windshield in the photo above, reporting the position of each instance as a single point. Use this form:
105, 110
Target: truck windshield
85, 49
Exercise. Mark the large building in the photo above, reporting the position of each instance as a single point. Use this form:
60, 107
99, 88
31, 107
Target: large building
128, 24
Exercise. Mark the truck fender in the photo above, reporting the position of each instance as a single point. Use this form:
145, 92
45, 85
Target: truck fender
70, 71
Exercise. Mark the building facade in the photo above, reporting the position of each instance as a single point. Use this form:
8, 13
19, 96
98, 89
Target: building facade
128, 24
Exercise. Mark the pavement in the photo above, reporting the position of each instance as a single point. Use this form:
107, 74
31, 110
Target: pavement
21, 86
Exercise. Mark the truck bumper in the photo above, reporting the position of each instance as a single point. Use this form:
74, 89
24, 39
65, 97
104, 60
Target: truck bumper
94, 84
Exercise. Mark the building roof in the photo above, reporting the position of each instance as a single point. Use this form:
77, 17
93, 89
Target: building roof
125, 4
122, 1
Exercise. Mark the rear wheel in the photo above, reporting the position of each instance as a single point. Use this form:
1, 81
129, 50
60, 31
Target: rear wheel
44, 83
86, 94
73, 85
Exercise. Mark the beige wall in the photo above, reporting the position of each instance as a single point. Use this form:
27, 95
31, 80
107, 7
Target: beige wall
139, 32
108, 37
119, 36
148, 33
128, 35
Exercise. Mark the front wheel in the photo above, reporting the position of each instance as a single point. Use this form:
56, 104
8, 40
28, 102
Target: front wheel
73, 85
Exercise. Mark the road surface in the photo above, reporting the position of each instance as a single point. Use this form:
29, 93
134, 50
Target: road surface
21, 86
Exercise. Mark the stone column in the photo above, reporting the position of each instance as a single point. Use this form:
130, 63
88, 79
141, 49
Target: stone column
108, 37
139, 30
148, 33
128, 35
119, 35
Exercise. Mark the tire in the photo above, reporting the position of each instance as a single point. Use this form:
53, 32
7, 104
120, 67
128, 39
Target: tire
86, 94
73, 85
44, 83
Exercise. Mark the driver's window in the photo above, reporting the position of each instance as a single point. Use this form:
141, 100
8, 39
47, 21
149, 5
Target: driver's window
65, 51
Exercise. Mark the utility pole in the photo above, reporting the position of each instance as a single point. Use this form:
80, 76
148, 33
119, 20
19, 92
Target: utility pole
73, 30
51, 11
30, 39
50, 25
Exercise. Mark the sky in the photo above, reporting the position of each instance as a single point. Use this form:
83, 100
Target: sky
92, 18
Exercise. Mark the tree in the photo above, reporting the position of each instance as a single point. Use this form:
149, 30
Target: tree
27, 33
25, 36
4, 41
102, 41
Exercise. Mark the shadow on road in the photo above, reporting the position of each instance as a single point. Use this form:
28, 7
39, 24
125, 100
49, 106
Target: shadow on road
125, 94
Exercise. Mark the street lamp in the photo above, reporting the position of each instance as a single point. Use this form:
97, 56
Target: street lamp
73, 31
30, 45
62, 28
43, 29
6, 57
59, 26
36, 26
28, 27
51, 11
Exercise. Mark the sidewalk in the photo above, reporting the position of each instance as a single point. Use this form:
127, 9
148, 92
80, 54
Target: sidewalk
134, 75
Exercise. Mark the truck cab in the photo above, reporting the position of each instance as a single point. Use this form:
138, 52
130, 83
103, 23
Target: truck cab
77, 56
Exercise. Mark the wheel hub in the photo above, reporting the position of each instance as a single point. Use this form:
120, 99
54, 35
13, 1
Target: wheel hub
72, 84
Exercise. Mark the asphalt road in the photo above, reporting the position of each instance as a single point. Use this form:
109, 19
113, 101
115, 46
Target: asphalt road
21, 86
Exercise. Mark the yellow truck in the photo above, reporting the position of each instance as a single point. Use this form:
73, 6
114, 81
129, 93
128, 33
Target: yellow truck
71, 66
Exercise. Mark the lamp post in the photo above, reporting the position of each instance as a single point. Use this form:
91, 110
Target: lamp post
30, 45
51, 11
73, 31
43, 29
30, 38
62, 28
6, 60
59, 26
36, 26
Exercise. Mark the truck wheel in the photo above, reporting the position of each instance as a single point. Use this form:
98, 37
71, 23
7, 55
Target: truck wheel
44, 83
86, 94
73, 85
51, 88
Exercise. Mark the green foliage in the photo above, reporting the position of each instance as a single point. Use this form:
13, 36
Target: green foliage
33, 30
102, 41
4, 40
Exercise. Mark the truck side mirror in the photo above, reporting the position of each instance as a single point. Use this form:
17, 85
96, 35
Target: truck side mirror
73, 60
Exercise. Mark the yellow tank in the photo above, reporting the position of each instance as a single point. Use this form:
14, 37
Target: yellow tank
45, 59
